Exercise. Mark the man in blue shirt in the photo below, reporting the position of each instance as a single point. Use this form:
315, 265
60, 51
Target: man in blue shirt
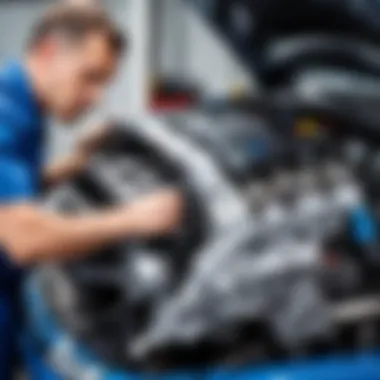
72, 55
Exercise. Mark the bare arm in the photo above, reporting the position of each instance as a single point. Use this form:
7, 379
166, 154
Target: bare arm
31, 235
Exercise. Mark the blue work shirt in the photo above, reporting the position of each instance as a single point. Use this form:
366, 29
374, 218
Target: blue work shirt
21, 143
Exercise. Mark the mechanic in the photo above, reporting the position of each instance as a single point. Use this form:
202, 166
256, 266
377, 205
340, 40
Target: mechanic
72, 55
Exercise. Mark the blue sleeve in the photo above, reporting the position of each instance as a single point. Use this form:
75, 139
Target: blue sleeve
16, 183
15, 180
15, 186
11, 121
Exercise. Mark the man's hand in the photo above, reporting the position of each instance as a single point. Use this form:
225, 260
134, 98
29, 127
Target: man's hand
156, 214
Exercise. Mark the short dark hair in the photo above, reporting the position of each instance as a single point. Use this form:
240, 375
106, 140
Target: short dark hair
75, 23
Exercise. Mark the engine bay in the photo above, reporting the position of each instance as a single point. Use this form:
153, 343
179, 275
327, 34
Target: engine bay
277, 255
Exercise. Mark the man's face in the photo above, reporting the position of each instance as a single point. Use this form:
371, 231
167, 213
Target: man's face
78, 75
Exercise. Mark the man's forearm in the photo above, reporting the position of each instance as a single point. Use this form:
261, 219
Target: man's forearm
37, 236
30, 235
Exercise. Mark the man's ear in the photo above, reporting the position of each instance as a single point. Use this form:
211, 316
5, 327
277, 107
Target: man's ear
47, 47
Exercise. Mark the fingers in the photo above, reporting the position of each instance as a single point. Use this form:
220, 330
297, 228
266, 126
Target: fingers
159, 213
170, 204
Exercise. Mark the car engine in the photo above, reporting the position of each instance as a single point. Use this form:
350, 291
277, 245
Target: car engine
272, 256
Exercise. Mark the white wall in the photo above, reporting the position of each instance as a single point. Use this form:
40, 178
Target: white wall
15, 22
204, 56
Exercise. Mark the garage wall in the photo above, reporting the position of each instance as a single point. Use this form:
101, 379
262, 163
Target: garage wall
191, 48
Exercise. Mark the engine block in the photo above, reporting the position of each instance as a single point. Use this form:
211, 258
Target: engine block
261, 221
